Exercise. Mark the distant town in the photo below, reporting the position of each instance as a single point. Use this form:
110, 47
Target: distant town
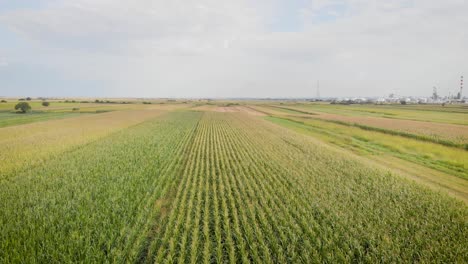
395, 99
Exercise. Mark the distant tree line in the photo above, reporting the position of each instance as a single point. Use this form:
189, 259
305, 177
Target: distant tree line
97, 101
349, 102
110, 102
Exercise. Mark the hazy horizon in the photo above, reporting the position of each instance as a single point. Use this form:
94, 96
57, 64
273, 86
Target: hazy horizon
231, 49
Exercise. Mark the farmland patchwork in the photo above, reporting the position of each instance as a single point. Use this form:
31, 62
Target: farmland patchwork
194, 186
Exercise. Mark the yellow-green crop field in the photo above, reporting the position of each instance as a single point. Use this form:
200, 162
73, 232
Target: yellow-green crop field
229, 182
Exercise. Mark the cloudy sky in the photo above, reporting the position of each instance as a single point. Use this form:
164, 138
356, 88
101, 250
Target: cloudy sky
237, 48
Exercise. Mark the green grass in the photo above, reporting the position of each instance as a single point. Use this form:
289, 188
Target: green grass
444, 134
56, 110
68, 107
420, 137
12, 119
291, 110
454, 114
193, 187
37, 105
368, 142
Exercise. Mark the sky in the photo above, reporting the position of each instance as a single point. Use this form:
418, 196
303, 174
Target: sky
237, 48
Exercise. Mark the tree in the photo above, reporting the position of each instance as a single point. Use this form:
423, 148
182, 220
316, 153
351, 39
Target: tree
23, 106
4, 101
28, 98
45, 103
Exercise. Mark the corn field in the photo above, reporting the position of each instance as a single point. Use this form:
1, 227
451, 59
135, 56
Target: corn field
210, 187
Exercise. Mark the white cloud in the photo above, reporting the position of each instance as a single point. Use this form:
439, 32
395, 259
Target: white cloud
172, 25
3, 62
227, 48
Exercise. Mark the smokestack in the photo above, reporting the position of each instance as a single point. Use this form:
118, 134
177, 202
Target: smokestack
461, 88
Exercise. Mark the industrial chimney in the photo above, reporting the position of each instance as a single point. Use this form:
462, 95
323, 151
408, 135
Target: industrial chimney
461, 88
